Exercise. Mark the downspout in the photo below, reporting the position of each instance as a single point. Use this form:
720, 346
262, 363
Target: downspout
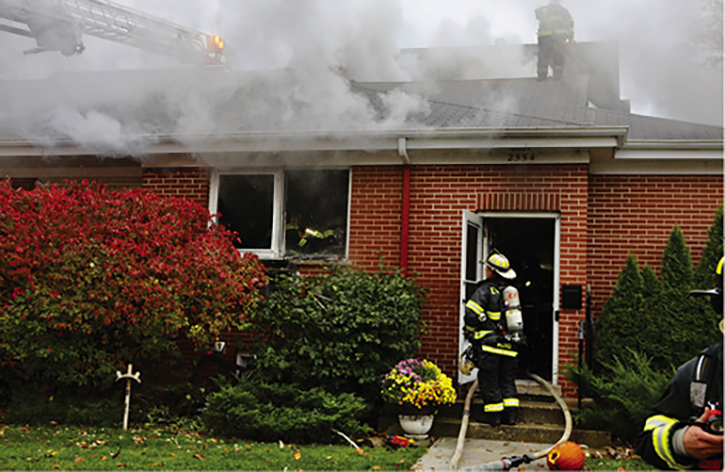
405, 219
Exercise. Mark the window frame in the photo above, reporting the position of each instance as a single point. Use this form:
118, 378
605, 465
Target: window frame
277, 250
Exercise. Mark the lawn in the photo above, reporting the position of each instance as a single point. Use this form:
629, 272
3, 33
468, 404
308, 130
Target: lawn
71, 448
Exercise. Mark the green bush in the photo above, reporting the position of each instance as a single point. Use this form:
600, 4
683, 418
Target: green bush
34, 406
284, 412
648, 328
342, 329
623, 395
94, 279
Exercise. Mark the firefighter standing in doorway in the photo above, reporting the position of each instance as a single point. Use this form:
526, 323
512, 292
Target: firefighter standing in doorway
685, 429
493, 354
556, 30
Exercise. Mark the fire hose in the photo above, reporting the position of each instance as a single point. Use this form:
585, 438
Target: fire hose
507, 463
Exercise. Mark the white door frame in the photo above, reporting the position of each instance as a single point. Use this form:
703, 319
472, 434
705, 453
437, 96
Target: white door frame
475, 221
479, 219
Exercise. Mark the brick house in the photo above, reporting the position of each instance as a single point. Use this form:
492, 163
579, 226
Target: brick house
558, 175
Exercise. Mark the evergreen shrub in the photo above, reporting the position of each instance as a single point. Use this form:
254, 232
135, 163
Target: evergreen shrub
647, 328
284, 412
623, 396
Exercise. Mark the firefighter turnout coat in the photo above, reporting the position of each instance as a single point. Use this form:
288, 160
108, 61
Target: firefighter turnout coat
484, 327
697, 383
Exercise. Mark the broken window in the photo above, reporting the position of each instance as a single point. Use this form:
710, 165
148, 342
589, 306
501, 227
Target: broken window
316, 212
246, 205
296, 214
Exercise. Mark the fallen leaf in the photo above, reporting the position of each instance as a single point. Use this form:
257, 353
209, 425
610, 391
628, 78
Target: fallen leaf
281, 445
297, 456
79, 459
199, 456
103, 458
376, 467
400, 463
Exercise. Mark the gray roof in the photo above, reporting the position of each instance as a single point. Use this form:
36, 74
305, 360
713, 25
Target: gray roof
528, 103
157, 103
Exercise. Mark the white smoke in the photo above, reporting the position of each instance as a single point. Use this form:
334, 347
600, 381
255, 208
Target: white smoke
290, 63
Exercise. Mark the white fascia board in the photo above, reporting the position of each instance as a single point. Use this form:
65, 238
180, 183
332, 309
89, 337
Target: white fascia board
669, 157
369, 141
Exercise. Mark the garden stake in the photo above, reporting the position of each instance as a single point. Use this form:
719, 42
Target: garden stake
128, 376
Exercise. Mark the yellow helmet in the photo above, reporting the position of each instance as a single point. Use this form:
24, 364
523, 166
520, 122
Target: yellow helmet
499, 264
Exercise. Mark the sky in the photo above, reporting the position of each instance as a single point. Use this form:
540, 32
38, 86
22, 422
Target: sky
661, 68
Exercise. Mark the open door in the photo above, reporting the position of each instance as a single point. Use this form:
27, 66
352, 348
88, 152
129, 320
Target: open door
531, 243
471, 274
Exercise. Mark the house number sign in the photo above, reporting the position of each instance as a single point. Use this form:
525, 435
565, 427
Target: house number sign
521, 156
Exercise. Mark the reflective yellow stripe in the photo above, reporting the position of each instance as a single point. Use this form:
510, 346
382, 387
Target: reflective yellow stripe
502, 352
661, 427
494, 315
511, 402
719, 266
481, 334
493, 407
474, 306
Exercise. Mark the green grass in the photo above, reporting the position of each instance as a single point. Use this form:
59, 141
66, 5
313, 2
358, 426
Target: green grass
595, 463
68, 448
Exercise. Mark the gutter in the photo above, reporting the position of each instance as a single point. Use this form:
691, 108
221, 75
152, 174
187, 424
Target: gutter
367, 140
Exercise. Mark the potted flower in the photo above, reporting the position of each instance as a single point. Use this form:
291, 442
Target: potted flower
416, 388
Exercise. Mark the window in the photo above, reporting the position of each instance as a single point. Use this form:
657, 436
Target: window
294, 214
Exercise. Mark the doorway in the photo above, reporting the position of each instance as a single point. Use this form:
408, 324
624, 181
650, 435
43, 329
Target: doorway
530, 241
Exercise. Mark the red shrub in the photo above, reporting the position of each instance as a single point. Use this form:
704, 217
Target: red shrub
92, 279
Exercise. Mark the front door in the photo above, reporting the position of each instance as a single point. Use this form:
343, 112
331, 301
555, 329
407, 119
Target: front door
530, 242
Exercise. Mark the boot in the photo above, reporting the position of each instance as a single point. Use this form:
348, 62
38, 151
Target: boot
509, 416
494, 419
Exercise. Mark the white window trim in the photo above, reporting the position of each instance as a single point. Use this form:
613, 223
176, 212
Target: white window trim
278, 216
277, 208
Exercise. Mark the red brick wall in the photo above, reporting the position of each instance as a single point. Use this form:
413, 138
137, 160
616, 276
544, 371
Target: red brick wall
185, 183
439, 194
637, 214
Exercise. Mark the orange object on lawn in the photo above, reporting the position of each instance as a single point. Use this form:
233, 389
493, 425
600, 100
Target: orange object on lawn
565, 456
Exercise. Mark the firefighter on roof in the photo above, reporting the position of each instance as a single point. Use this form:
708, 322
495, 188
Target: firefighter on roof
556, 30
684, 430
493, 354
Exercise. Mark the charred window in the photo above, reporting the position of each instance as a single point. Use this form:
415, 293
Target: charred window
316, 212
246, 205
292, 214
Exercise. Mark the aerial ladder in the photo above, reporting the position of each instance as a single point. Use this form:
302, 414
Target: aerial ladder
59, 25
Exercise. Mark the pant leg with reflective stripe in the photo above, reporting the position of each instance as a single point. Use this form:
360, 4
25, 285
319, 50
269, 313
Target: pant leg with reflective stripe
507, 381
488, 368
545, 56
661, 427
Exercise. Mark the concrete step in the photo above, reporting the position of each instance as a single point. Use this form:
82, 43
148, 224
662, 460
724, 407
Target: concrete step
522, 432
539, 420
530, 411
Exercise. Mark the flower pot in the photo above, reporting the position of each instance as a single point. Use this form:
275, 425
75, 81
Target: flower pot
416, 426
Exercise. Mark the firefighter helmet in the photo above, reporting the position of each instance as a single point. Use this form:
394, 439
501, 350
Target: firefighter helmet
499, 264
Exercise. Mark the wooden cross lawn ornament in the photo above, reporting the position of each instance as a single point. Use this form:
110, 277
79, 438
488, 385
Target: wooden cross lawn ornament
129, 375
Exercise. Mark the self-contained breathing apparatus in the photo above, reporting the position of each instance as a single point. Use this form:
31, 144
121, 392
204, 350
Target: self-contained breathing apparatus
512, 328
